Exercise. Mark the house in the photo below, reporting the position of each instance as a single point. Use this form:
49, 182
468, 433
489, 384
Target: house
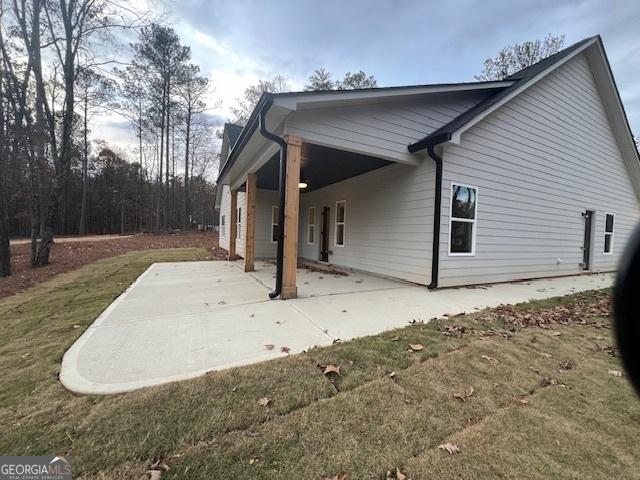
443, 185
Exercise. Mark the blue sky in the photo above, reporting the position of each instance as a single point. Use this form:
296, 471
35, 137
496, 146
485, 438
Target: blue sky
401, 42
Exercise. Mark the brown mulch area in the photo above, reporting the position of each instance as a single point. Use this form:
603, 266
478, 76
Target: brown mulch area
314, 267
71, 255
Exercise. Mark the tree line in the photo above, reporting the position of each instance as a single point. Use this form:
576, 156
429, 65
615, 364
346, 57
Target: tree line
56, 75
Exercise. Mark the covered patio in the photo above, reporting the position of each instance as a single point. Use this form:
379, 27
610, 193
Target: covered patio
313, 218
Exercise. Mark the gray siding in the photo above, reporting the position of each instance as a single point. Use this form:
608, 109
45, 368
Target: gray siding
389, 221
539, 161
225, 210
381, 129
265, 199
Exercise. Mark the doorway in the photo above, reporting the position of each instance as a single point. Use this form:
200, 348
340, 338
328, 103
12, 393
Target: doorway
324, 234
586, 247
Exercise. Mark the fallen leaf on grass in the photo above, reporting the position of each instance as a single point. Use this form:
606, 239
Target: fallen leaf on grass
449, 447
331, 369
454, 330
523, 401
395, 474
416, 347
264, 402
464, 395
568, 365
253, 460
615, 373
490, 359
160, 465
270, 346
392, 376
285, 350
395, 339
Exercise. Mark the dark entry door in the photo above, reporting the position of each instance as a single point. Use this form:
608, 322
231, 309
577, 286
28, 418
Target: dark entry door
586, 248
324, 245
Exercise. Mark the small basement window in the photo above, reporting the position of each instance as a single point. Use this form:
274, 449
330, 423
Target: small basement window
239, 223
462, 221
608, 233
275, 211
223, 230
341, 208
311, 226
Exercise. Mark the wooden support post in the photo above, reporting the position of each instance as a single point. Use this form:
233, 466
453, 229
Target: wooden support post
233, 226
250, 237
291, 212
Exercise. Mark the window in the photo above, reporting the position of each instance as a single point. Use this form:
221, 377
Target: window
223, 230
608, 234
341, 208
239, 223
311, 226
274, 223
462, 221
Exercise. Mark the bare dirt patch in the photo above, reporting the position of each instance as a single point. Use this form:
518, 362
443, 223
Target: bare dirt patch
66, 256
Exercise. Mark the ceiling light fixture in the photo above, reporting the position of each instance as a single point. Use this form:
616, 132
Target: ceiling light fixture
303, 184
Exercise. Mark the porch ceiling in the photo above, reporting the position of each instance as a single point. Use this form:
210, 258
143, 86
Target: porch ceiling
321, 166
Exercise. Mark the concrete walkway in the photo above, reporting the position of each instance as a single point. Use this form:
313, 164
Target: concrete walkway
182, 320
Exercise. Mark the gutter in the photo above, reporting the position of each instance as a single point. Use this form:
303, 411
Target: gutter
281, 192
435, 256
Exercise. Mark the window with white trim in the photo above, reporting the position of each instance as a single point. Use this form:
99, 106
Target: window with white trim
239, 223
274, 223
608, 233
341, 215
311, 226
462, 221
223, 230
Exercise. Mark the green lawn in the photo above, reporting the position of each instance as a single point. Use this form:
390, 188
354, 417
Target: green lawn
544, 404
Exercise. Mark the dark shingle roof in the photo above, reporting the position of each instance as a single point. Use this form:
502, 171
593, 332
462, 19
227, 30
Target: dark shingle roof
521, 77
233, 131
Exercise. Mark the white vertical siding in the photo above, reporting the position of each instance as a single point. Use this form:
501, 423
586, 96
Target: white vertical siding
540, 161
389, 221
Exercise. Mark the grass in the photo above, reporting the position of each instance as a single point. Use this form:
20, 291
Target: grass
529, 415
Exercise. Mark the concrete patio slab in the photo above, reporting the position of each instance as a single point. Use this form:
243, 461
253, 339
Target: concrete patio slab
182, 320
369, 313
317, 284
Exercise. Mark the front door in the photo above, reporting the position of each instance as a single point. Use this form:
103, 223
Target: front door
586, 248
324, 235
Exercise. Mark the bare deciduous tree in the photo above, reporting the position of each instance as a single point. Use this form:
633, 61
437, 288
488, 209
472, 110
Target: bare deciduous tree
518, 56
246, 104
358, 80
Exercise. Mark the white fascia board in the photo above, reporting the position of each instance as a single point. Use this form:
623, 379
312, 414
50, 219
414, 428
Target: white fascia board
342, 97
